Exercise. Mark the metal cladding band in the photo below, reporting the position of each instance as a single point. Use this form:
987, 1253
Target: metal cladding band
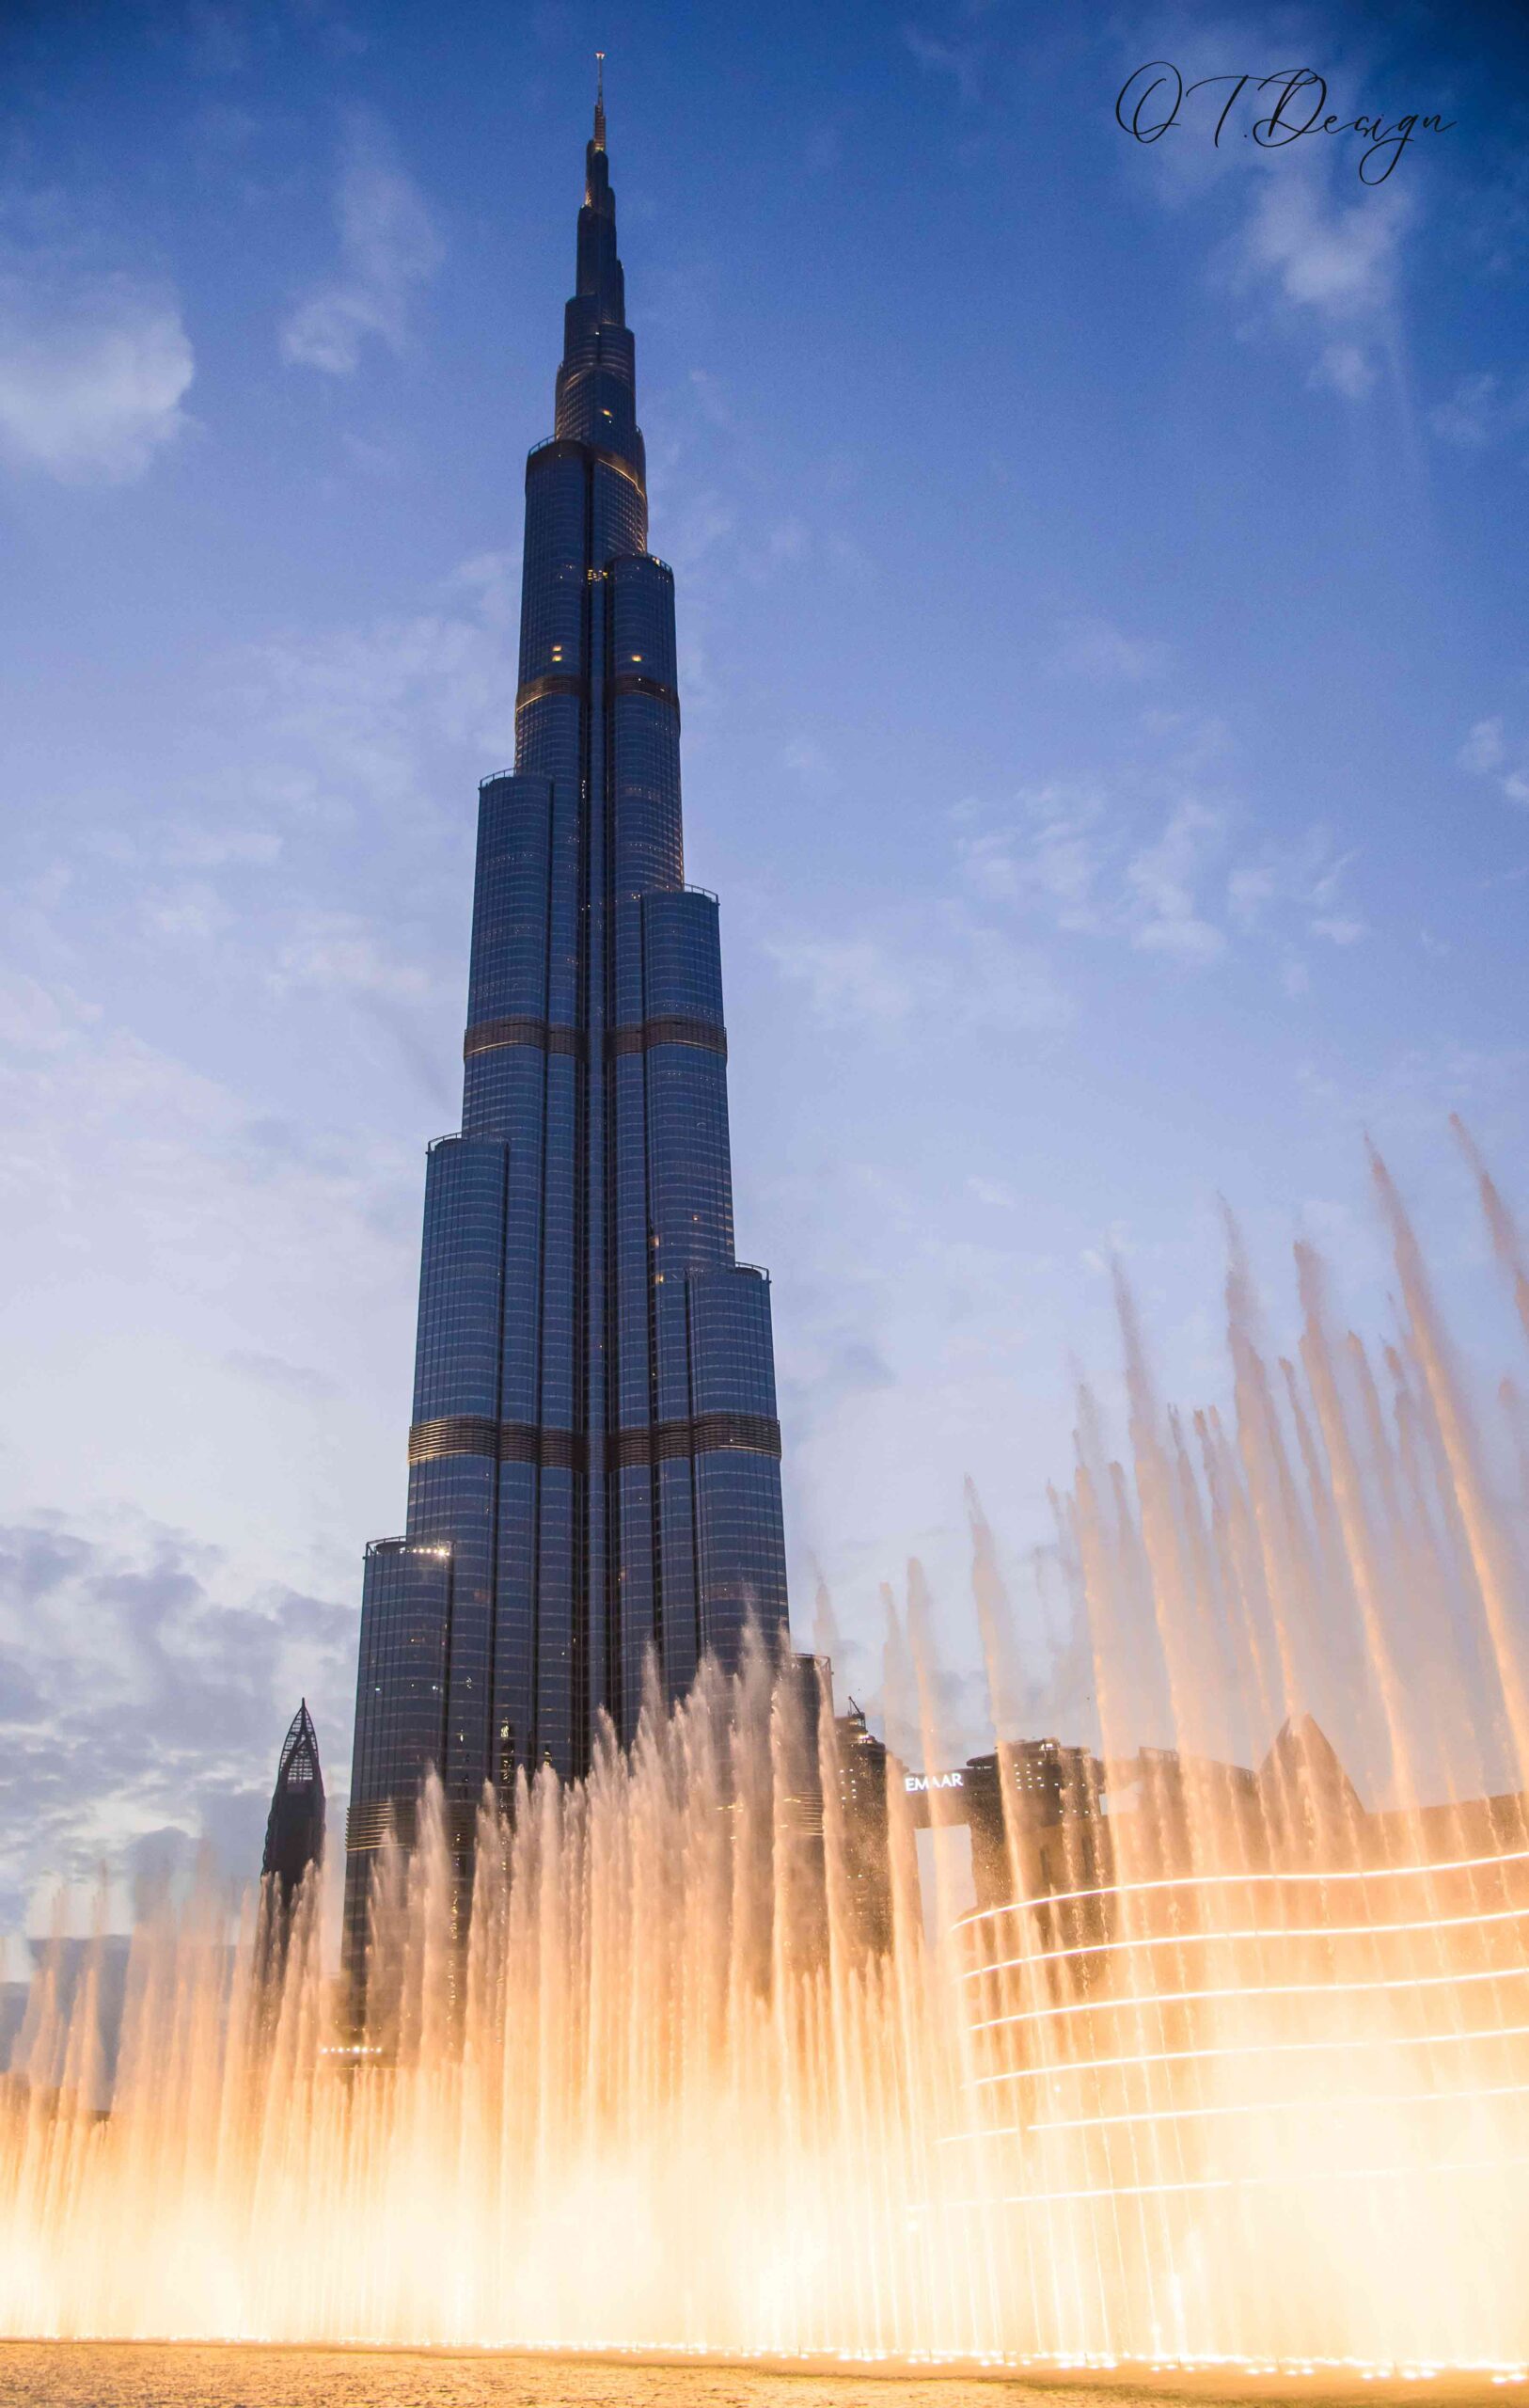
631, 682
652, 1442
555, 681
455, 1434
372, 1826
490, 1033
670, 1028
667, 1028
565, 681
526, 1442
564, 446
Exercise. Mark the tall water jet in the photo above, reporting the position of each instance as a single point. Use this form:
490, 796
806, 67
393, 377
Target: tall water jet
1230, 2062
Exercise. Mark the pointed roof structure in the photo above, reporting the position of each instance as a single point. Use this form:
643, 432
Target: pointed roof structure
1309, 1801
294, 1826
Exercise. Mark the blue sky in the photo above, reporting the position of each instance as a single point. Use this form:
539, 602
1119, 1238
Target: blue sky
1107, 723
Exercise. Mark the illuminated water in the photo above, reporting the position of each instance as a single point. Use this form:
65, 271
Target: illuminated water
132, 2375
1249, 2089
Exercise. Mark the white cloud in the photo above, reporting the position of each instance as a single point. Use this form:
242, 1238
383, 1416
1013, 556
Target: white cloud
1051, 864
193, 910
1488, 752
1339, 261
388, 249
1304, 878
1080, 865
957, 60
1094, 649
850, 979
335, 949
1163, 879
1343, 367
809, 764
995, 1192
1484, 749
1320, 258
1148, 860
193, 848
1481, 411
93, 369
938, 970
143, 1690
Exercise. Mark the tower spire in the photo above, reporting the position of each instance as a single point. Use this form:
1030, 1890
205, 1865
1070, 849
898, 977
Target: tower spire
599, 100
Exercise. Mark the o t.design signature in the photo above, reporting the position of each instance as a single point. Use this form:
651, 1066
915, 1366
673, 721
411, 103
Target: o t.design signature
1149, 103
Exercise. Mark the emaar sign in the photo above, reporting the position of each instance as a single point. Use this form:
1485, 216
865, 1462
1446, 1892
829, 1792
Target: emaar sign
916, 1782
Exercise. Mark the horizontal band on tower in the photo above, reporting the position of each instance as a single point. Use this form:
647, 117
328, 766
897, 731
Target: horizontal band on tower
664, 1028
453, 1434
702, 1434
566, 681
397, 1819
667, 1028
629, 681
652, 1442
505, 1442
555, 681
388, 1818
487, 1036
566, 447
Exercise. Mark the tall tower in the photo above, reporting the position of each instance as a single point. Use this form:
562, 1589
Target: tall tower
294, 1826
594, 1458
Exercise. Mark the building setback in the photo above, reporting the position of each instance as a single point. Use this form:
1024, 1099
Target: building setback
594, 1456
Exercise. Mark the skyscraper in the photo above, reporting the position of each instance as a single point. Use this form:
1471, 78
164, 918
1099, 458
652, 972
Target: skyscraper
594, 1456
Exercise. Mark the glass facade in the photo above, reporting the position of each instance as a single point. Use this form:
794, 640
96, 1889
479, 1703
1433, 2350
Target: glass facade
594, 1456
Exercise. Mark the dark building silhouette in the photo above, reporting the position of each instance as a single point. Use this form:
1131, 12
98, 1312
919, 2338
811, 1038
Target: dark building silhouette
1308, 1800
594, 1456
294, 1826
1031, 1805
864, 1761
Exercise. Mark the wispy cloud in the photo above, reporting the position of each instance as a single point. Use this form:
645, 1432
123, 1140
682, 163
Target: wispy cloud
337, 949
1482, 410
810, 765
1318, 263
1084, 864
1161, 859
142, 1692
389, 248
1488, 753
961, 60
1163, 883
935, 970
1106, 656
93, 368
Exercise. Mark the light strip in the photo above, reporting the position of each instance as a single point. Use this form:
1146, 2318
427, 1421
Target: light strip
1237, 2182
1212, 1880
1252, 2107
1250, 1989
1244, 2049
1268, 1931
